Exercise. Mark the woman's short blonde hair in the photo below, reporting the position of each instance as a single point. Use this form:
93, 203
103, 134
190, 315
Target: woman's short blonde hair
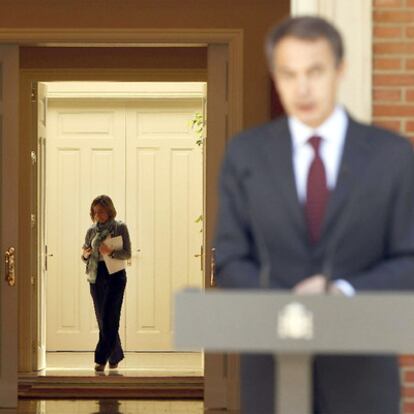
106, 202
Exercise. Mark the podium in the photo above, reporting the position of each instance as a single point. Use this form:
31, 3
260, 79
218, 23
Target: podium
292, 328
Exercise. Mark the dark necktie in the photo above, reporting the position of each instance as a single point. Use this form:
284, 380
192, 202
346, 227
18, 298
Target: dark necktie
317, 193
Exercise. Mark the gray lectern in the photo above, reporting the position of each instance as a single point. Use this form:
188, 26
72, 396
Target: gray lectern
293, 328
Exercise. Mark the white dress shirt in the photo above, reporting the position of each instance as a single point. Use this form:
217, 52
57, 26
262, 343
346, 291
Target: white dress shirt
332, 132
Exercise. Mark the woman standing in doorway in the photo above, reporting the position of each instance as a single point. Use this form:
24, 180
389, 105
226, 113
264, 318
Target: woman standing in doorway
107, 289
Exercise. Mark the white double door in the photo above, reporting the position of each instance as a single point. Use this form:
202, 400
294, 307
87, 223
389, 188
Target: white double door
143, 154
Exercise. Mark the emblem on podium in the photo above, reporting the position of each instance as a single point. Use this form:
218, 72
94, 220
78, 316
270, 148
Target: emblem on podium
295, 322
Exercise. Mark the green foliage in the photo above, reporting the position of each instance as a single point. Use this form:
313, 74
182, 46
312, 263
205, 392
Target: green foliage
197, 124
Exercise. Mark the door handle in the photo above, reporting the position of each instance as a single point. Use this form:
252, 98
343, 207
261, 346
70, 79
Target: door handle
46, 256
10, 266
46, 260
129, 261
201, 257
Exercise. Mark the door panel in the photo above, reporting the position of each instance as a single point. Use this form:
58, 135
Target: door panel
85, 153
9, 139
164, 193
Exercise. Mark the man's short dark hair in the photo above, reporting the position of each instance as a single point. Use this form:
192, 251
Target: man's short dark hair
306, 28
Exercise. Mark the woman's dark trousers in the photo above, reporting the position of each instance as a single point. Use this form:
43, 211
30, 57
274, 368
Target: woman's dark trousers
107, 294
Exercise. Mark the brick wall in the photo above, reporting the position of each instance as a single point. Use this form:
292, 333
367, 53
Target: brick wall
393, 83
393, 102
407, 371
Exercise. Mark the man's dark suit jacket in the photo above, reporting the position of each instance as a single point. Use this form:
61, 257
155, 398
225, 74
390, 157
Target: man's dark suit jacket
367, 239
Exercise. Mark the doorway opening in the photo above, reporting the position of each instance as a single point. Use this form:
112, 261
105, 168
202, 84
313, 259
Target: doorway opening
142, 144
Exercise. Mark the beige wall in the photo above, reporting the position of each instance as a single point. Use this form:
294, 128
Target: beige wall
254, 17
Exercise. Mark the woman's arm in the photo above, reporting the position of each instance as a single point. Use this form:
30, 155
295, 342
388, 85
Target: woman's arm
125, 252
86, 248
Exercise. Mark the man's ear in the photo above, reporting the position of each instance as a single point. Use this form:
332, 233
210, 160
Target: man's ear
341, 69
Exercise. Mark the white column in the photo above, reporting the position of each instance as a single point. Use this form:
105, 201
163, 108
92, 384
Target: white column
354, 20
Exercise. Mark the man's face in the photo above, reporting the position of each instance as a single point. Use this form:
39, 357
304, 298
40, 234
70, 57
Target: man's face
306, 76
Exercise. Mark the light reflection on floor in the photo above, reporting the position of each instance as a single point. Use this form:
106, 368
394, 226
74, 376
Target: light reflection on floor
109, 406
135, 364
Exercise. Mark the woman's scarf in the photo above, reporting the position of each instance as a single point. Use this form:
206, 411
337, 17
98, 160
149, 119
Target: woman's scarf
102, 231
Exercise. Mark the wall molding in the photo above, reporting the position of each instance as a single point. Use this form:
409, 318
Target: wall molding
354, 20
123, 90
118, 37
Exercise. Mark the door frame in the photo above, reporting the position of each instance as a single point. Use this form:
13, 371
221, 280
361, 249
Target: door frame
231, 39
29, 329
9, 191
121, 93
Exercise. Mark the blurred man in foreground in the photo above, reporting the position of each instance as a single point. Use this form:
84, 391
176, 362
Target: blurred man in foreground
317, 202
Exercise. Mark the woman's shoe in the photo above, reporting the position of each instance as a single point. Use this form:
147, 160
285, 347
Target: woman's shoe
99, 367
113, 366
